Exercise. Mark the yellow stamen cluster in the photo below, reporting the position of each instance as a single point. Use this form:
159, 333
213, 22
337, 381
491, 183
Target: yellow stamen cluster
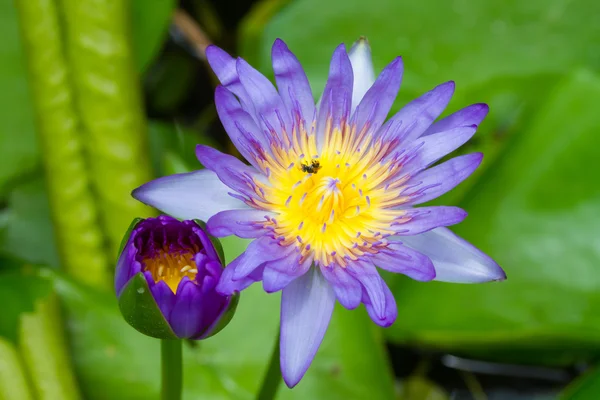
338, 211
171, 267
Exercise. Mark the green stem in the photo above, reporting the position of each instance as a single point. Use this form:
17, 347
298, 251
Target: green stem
272, 378
74, 212
13, 382
45, 352
172, 375
107, 88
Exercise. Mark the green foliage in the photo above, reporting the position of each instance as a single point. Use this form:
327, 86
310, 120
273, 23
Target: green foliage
18, 152
28, 211
31, 322
534, 213
140, 310
73, 209
110, 108
42, 344
585, 388
71, 76
13, 383
150, 20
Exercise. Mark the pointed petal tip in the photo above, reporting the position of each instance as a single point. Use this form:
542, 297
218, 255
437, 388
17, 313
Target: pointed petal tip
290, 379
306, 308
211, 49
279, 44
144, 192
499, 274
448, 87
484, 107
361, 42
473, 159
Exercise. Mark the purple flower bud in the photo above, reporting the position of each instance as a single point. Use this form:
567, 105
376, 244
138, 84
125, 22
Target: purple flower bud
166, 277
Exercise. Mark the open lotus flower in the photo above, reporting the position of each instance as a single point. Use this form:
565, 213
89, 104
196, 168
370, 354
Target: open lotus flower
166, 278
331, 191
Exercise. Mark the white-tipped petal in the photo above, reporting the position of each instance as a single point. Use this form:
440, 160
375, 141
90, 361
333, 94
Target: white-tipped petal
362, 66
454, 259
193, 195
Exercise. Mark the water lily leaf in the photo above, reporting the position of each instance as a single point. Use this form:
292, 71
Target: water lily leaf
583, 388
150, 24
26, 231
537, 212
18, 150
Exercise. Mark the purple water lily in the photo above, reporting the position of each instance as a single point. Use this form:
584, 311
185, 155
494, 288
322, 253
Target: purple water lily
331, 190
182, 269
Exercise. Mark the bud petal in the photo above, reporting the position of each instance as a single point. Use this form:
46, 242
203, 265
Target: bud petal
166, 277
141, 311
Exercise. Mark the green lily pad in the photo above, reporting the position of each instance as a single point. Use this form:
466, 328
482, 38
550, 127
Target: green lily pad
150, 25
26, 232
537, 212
18, 150
583, 388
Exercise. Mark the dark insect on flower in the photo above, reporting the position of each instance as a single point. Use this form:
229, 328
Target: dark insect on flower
320, 238
311, 168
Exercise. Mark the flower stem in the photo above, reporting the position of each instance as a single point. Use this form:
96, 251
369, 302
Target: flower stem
272, 378
172, 375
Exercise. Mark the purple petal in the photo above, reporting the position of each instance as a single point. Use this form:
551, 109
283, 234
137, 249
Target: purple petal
380, 306
163, 295
293, 85
193, 195
246, 224
454, 259
185, 319
432, 148
270, 110
362, 68
127, 266
468, 116
241, 128
424, 219
403, 260
391, 311
418, 115
258, 252
306, 308
227, 285
224, 66
348, 290
375, 105
334, 110
280, 273
231, 171
213, 304
436, 181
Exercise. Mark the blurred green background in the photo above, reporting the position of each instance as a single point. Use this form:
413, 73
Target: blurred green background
99, 96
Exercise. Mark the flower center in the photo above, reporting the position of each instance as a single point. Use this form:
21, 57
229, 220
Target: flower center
334, 206
171, 267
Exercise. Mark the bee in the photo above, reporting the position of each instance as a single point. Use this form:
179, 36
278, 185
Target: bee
311, 168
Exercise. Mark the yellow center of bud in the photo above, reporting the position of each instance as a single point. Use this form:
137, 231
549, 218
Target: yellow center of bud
171, 267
